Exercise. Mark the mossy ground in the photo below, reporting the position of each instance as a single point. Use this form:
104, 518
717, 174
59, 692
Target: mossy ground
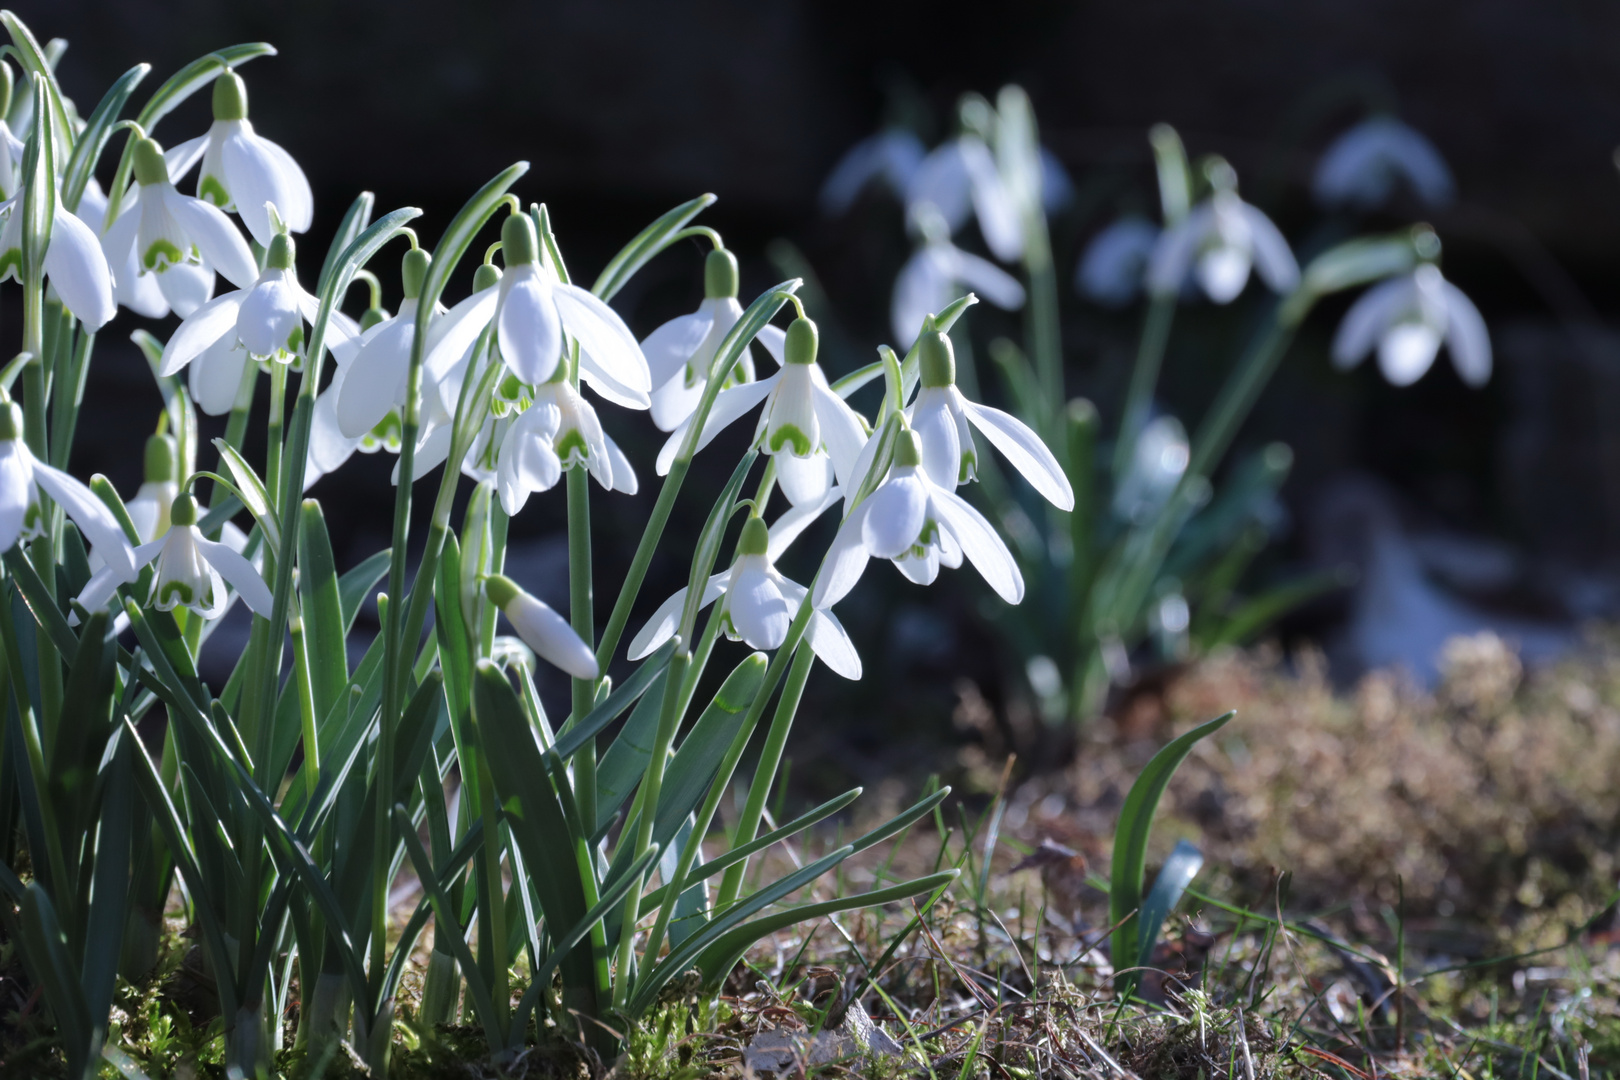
1398, 883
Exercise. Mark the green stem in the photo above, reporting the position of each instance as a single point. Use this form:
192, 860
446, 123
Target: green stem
770, 760
1045, 328
581, 617
1144, 378
273, 431
34, 374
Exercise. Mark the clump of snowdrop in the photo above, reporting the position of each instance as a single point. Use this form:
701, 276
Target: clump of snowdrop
1407, 319
1218, 243
1365, 166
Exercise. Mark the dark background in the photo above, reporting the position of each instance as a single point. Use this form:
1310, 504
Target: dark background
625, 109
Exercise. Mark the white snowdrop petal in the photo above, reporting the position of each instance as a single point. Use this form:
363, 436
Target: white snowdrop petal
527, 323
375, 382
729, 406
624, 475
787, 528
832, 644
845, 561
1466, 337
992, 202
328, 446
78, 269
550, 636
184, 288
215, 377
432, 447
1173, 253
300, 208
805, 481
90, 514
183, 157
758, 610
603, 335
1272, 255
608, 387
1373, 311
268, 316
935, 427
1023, 449
450, 337
666, 619
1406, 351
774, 338
239, 573
921, 289
980, 543
669, 347
841, 430
216, 238
990, 281
921, 569
941, 180
98, 591
674, 401
253, 179
1115, 262
895, 515
16, 489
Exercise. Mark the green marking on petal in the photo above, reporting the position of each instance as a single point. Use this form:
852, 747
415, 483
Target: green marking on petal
572, 449
970, 467
388, 433
295, 341
172, 593
211, 189
11, 264
162, 255
786, 434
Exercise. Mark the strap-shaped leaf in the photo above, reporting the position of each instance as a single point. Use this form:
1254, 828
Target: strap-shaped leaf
1174, 877
98, 129
608, 710
355, 585
321, 601
1131, 840
46, 948
647, 243
251, 490
36, 64
354, 222
39, 191
621, 768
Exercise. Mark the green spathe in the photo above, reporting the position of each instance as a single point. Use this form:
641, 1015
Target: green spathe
719, 275
937, 360
802, 339
230, 97
11, 421
487, 276
501, 590
184, 510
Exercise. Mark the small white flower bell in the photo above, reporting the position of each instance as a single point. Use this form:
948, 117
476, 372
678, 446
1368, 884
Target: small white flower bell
149, 509
757, 607
23, 477
74, 262
680, 352
920, 526
1408, 318
891, 156
541, 628
941, 416
1218, 243
1111, 271
559, 431
369, 387
179, 239
242, 171
960, 175
1363, 167
265, 322
935, 275
814, 436
192, 571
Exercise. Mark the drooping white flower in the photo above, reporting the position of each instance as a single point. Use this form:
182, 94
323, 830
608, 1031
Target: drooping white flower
164, 233
958, 176
1408, 318
74, 262
813, 435
757, 607
941, 415
680, 352
920, 526
11, 147
559, 431
935, 275
541, 628
242, 171
1218, 243
373, 384
891, 155
1362, 167
1116, 261
265, 322
1158, 460
23, 477
192, 571
149, 509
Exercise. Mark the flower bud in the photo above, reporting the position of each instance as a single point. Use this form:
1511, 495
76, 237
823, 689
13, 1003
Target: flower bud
542, 629
487, 275
755, 538
282, 253
801, 341
149, 165
162, 460
230, 97
413, 271
184, 510
719, 275
936, 359
519, 245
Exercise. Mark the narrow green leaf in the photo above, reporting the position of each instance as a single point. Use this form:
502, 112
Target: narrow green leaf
39, 191
251, 490
647, 243
355, 585
36, 64
194, 76
1131, 841
707, 549
1175, 875
109, 890
625, 762
45, 946
321, 599
98, 129
354, 222
569, 742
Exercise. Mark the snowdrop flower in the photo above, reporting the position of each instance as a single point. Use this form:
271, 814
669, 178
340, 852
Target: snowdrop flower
11, 147
1115, 262
23, 477
812, 434
757, 606
1158, 460
1218, 242
541, 628
1408, 318
935, 275
74, 262
1362, 167
891, 156
192, 571
371, 385
920, 526
149, 509
265, 322
164, 232
559, 431
940, 417
680, 352
242, 171
960, 175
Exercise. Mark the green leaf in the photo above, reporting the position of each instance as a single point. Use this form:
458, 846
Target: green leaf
694, 764
648, 243
355, 585
109, 890
459, 235
194, 76
98, 129
354, 222
84, 724
608, 710
37, 65
625, 762
39, 191
1174, 877
251, 490
321, 600
1131, 841
45, 946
